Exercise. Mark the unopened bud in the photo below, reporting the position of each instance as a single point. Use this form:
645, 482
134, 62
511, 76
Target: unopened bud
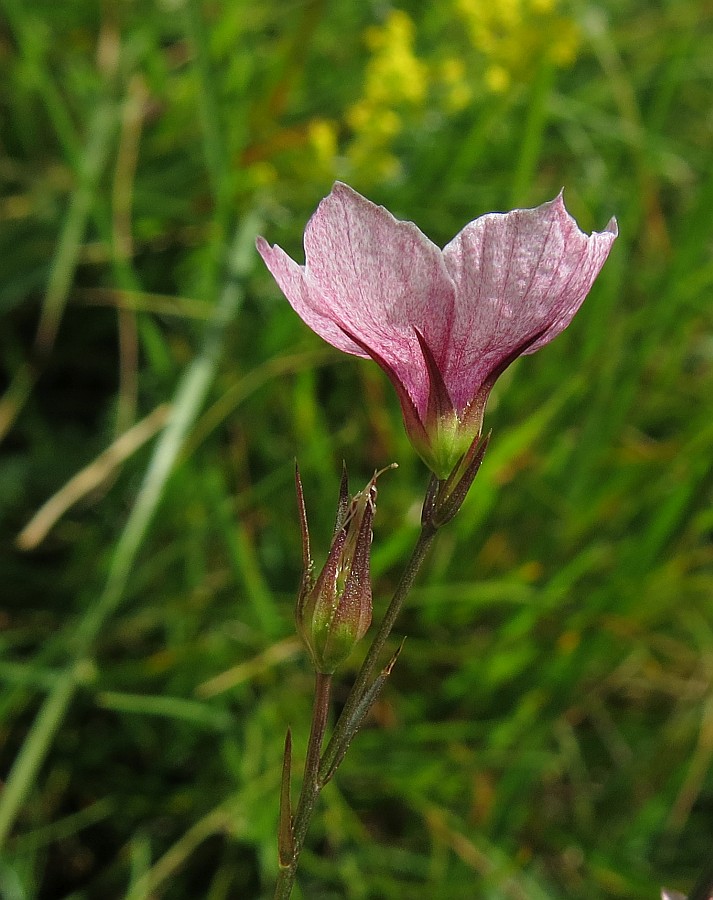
334, 610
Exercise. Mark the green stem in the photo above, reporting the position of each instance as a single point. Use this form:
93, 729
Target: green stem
318, 772
214, 149
33, 751
343, 731
311, 785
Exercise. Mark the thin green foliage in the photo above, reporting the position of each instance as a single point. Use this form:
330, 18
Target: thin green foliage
545, 731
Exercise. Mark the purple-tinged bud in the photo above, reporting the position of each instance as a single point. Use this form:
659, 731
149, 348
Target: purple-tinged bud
334, 610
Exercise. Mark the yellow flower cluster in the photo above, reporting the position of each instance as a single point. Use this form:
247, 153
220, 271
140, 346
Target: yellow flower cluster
495, 46
395, 83
452, 77
323, 140
394, 74
514, 36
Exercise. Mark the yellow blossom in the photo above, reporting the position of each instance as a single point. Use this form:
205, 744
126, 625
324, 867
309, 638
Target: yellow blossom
323, 139
497, 79
452, 70
458, 97
394, 74
514, 35
452, 73
395, 83
565, 44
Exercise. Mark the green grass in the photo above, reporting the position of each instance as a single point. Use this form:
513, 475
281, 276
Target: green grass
546, 732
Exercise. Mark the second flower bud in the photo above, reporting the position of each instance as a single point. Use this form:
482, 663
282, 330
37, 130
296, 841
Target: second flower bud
334, 609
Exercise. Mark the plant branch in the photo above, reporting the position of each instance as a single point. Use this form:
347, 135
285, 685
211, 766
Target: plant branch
310, 785
364, 690
343, 732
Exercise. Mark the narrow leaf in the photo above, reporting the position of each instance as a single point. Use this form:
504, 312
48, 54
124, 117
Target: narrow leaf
302, 512
367, 701
455, 489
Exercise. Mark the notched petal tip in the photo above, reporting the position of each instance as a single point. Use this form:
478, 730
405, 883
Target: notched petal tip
280, 264
372, 218
557, 201
612, 227
271, 254
352, 197
559, 207
611, 230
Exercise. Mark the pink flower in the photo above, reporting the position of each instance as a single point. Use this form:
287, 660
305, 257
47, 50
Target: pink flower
442, 324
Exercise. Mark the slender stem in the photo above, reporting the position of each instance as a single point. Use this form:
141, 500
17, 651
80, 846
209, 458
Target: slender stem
318, 772
310, 784
34, 749
65, 259
214, 148
361, 685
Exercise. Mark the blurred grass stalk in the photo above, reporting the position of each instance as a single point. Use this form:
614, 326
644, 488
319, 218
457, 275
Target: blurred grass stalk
89, 163
600, 639
190, 396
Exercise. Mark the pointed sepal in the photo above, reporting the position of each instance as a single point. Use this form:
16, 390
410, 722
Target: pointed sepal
334, 611
368, 699
453, 491
429, 501
307, 564
440, 405
343, 504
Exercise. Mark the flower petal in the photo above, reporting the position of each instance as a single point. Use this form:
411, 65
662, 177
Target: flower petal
377, 278
308, 305
516, 274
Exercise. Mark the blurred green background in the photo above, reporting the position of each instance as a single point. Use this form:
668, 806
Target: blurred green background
548, 730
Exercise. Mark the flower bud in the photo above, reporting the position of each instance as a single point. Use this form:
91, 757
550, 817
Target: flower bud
334, 610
